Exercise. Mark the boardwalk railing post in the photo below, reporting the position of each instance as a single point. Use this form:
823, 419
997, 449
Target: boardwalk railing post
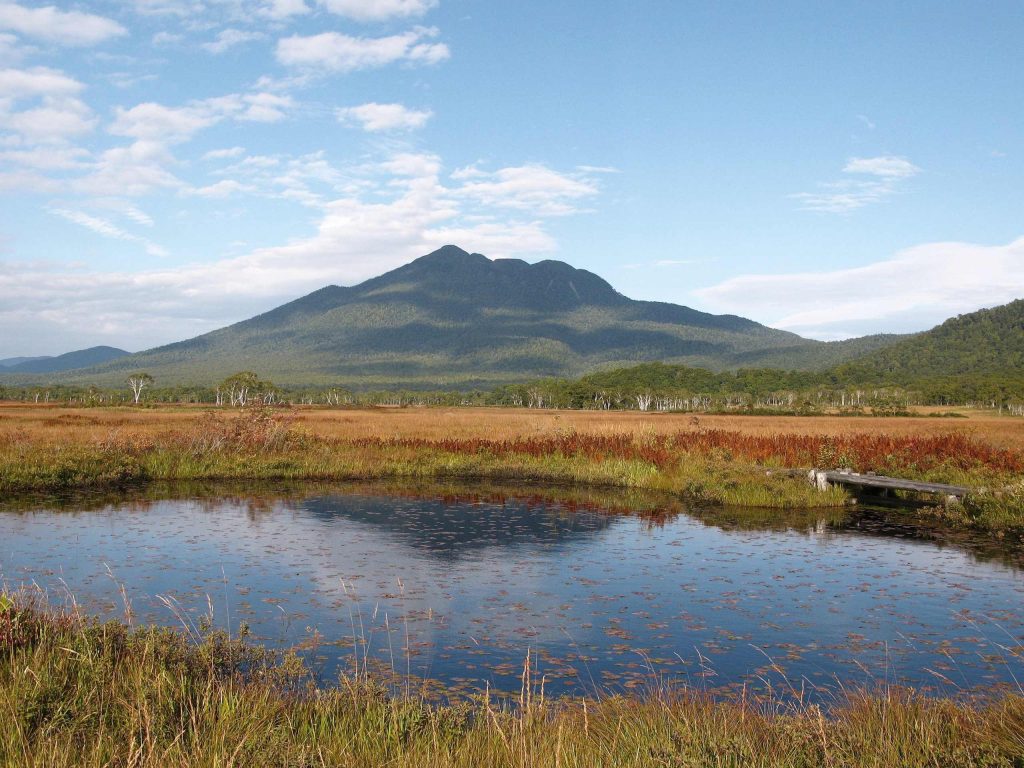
818, 479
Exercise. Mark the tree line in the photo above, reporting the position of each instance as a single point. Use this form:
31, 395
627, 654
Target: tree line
646, 387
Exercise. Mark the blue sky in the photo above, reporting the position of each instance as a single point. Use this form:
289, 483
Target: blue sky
171, 166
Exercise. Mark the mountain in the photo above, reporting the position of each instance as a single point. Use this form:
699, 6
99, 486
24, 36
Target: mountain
456, 319
989, 342
8, 362
82, 358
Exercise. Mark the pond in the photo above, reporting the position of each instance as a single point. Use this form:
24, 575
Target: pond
605, 592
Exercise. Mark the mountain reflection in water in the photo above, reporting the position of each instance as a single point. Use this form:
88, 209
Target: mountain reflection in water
718, 599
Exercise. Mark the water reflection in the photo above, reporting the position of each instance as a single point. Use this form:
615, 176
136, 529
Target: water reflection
474, 577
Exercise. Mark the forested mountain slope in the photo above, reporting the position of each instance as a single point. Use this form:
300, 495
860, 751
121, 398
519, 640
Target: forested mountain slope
989, 342
453, 319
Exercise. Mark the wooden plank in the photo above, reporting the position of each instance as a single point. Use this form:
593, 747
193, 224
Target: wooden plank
891, 483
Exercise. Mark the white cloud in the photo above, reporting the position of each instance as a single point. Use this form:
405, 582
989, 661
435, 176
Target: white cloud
664, 263
40, 81
181, 8
915, 289
48, 158
11, 50
128, 79
229, 38
675, 262
56, 26
597, 169
265, 107
30, 180
57, 114
156, 122
221, 189
378, 10
533, 188
138, 216
107, 229
222, 154
887, 166
202, 15
412, 165
337, 52
122, 207
283, 9
133, 170
389, 213
375, 117
166, 38
888, 173
55, 121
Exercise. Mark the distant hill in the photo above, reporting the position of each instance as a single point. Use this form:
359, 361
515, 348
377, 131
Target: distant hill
453, 319
989, 342
82, 358
8, 362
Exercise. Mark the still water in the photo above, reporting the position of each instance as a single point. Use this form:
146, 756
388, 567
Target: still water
459, 588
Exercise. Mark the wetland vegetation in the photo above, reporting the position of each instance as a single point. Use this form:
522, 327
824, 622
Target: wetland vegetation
292, 622
80, 692
700, 463
767, 682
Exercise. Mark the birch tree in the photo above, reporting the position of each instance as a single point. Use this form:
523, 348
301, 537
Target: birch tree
138, 382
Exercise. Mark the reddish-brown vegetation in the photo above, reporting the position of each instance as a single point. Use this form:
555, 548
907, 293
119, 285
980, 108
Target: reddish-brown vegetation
862, 452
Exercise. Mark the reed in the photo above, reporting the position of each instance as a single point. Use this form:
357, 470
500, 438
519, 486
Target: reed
78, 692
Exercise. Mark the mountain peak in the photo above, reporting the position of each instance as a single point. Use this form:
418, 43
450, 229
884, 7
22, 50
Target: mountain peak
451, 255
455, 277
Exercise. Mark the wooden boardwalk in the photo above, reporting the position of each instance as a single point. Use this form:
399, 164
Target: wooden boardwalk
823, 478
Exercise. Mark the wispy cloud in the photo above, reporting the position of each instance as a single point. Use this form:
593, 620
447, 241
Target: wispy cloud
107, 229
867, 122
869, 180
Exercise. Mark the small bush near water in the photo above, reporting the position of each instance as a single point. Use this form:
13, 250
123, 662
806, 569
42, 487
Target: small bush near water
78, 692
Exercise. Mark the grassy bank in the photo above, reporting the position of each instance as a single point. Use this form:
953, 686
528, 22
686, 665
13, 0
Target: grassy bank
77, 692
705, 465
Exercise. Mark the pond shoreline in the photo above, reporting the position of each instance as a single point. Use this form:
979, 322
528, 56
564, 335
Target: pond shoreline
705, 466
